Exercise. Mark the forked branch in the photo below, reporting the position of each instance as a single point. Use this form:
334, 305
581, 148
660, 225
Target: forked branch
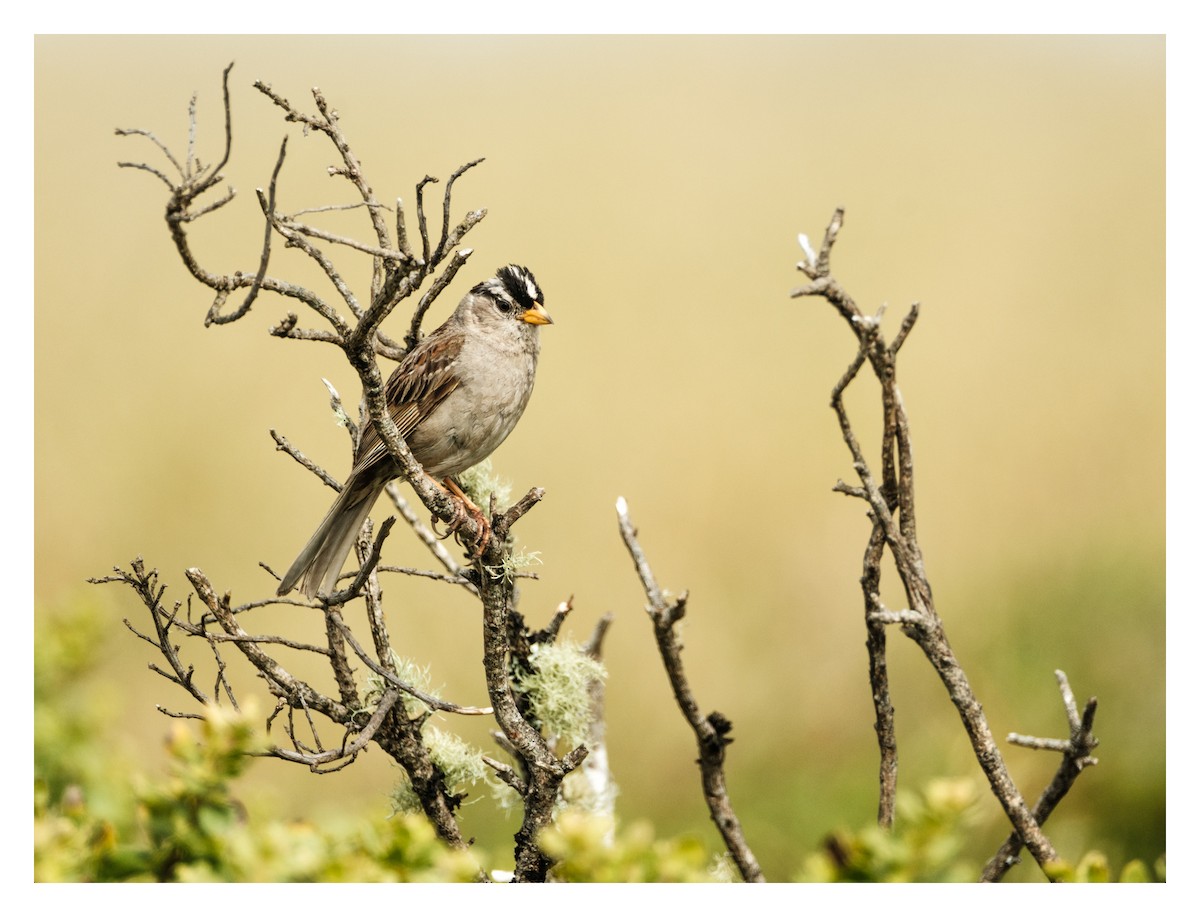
399, 269
1076, 752
891, 503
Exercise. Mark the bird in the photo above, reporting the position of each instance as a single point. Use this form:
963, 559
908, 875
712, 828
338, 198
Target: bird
455, 397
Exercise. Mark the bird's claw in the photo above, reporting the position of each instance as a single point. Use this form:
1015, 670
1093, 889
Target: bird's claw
464, 507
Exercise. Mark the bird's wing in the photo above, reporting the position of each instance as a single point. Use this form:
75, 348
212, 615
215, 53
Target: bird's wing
421, 382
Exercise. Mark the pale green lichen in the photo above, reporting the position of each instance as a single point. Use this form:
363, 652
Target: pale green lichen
460, 763
410, 673
514, 562
481, 483
557, 689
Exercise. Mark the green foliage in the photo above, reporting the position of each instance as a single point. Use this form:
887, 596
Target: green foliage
90, 825
186, 818
66, 707
67, 841
927, 845
189, 828
586, 850
924, 845
1093, 866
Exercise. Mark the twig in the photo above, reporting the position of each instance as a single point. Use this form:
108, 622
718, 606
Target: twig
214, 316
147, 588
191, 183
373, 597
360, 578
712, 731
346, 753
427, 574
298, 239
545, 771
434, 703
439, 284
893, 511
446, 244
1077, 755
298, 692
283, 445
881, 698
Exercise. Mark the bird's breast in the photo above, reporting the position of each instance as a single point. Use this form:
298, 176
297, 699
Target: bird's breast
492, 392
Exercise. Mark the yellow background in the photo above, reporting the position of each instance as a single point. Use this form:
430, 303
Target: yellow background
656, 185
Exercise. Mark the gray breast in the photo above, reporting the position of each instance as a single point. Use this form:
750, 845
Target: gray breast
496, 380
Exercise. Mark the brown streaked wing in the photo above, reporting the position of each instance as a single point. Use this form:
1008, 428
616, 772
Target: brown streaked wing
414, 390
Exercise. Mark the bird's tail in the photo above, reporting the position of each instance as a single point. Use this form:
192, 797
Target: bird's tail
320, 563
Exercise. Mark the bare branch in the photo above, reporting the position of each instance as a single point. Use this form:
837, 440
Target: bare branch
896, 497
191, 184
360, 578
147, 588
145, 167
348, 751
214, 316
1077, 755
282, 445
276, 675
396, 275
549, 633
287, 329
271, 639
439, 284
507, 774
544, 771
422, 226
401, 233
424, 697
429, 574
446, 244
387, 254
712, 731
296, 238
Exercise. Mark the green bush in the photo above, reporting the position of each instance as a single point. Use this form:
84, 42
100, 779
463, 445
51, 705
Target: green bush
927, 842
586, 850
189, 828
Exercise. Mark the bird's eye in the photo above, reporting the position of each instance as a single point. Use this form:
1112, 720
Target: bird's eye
504, 306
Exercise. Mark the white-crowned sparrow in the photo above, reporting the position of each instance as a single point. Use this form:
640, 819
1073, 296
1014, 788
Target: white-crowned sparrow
454, 397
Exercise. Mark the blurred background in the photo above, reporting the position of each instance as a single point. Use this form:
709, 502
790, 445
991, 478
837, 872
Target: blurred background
656, 185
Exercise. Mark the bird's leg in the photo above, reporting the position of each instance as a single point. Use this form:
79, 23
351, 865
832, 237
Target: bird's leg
463, 506
467, 505
460, 513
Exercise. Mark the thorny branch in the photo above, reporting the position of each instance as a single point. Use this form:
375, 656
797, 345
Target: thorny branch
892, 507
712, 731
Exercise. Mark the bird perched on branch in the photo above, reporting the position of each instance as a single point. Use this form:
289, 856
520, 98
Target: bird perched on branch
455, 397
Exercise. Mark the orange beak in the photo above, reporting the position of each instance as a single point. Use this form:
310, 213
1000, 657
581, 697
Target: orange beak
537, 315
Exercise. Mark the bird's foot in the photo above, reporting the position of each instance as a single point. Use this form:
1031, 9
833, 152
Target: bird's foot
464, 507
